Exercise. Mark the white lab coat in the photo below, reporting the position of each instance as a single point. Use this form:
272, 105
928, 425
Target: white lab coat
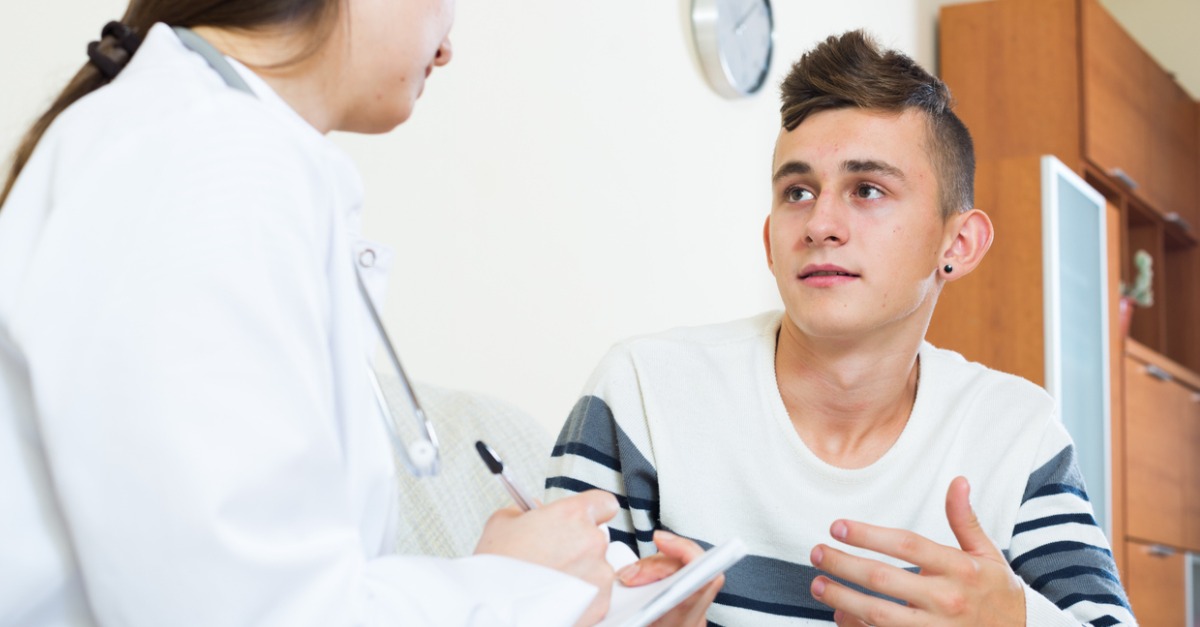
187, 435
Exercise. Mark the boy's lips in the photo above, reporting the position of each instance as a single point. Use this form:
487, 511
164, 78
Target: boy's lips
825, 270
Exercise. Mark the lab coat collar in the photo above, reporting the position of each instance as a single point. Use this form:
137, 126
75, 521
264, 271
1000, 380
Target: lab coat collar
161, 46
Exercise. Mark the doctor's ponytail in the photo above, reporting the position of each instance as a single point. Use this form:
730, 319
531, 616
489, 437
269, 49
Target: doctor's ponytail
119, 40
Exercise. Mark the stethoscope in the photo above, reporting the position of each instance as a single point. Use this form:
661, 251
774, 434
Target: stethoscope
421, 456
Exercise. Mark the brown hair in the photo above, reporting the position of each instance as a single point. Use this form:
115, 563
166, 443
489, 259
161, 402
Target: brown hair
852, 71
313, 15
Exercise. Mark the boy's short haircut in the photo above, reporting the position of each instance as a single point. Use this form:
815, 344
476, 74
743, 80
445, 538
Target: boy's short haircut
851, 70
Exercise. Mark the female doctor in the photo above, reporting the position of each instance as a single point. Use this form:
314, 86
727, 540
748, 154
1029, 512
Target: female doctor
188, 434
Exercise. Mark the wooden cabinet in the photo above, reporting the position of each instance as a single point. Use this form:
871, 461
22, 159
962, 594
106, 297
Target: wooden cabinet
1155, 451
1155, 581
1062, 77
1117, 103
1191, 472
1174, 152
1139, 124
1013, 67
1162, 450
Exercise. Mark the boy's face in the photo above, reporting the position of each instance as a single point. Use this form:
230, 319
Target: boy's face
855, 232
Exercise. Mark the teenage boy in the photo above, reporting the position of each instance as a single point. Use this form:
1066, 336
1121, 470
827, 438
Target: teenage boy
876, 479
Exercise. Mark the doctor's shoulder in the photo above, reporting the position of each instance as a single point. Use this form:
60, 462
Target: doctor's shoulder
156, 124
151, 135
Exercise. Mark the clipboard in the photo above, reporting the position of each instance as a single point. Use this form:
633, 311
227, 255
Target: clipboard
641, 605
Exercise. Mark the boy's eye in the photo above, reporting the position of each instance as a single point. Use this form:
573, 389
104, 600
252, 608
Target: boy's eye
869, 192
797, 194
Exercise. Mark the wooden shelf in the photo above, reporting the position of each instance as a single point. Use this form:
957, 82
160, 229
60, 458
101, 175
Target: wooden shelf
1145, 354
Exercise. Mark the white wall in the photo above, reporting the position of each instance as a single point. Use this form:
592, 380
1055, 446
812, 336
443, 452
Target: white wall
567, 181
1167, 30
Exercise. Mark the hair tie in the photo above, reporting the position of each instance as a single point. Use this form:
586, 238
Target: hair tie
128, 40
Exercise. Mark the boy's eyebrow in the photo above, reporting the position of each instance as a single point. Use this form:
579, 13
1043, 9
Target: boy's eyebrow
880, 167
790, 168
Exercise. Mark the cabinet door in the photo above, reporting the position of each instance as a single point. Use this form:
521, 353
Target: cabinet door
1117, 106
1174, 153
1154, 456
1191, 469
1156, 584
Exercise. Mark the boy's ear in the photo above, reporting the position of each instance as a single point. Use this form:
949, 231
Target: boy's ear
968, 238
767, 241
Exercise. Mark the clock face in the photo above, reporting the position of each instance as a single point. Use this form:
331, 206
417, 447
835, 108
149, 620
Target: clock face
734, 41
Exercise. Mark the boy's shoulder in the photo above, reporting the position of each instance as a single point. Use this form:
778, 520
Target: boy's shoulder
744, 330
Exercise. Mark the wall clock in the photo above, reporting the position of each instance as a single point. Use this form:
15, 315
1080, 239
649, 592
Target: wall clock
734, 40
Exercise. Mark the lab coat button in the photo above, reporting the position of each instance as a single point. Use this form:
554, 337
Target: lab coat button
366, 258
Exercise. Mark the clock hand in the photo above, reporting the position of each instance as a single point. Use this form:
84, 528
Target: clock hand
737, 28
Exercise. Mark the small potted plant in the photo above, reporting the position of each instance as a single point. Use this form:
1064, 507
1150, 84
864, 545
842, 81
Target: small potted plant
1140, 292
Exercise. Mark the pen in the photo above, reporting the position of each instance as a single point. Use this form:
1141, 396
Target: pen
497, 467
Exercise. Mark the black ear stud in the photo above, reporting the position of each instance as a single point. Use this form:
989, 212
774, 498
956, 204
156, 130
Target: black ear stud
948, 268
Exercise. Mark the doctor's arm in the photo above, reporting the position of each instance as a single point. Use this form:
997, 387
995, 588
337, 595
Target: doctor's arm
190, 427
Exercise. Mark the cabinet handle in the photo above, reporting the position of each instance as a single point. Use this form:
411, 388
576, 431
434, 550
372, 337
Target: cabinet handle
1177, 220
1158, 373
1158, 550
1120, 175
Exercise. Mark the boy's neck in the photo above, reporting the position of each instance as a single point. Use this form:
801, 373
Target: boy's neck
848, 401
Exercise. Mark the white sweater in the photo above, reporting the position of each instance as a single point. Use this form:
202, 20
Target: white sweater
689, 430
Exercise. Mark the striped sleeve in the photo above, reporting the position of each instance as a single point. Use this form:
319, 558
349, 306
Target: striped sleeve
1059, 550
605, 444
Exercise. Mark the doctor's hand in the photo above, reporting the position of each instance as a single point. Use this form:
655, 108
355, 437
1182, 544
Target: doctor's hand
674, 552
971, 586
562, 535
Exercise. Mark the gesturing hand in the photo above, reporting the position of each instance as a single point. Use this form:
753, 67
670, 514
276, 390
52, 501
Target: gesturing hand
971, 586
674, 552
